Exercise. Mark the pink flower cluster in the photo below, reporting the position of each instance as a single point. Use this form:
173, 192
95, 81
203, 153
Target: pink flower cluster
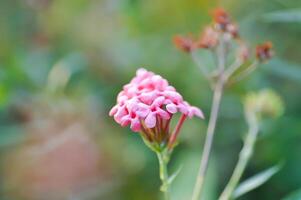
149, 101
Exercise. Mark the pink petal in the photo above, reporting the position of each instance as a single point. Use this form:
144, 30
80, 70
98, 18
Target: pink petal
132, 105
126, 120
135, 125
150, 120
132, 91
120, 113
170, 88
172, 108
167, 101
174, 96
143, 110
163, 84
159, 82
147, 98
113, 111
183, 109
158, 101
195, 111
146, 82
122, 97
141, 71
162, 113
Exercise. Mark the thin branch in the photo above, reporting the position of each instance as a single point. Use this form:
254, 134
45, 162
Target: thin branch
176, 131
221, 54
199, 64
246, 72
209, 139
163, 160
217, 95
235, 65
244, 157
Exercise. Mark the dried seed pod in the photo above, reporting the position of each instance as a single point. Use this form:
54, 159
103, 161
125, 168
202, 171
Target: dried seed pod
185, 44
264, 51
209, 38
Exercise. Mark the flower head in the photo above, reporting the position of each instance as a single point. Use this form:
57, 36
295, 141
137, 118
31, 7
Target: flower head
221, 17
209, 38
232, 29
264, 51
224, 23
265, 103
148, 103
185, 44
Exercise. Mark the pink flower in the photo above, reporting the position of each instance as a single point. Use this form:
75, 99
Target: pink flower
148, 103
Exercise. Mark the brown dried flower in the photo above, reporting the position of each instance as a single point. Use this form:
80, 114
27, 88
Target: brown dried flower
264, 51
209, 38
223, 22
183, 43
232, 29
221, 18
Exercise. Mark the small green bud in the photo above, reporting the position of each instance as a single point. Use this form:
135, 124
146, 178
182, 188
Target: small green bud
265, 103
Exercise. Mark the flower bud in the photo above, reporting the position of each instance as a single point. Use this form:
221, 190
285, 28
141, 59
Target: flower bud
208, 39
223, 23
264, 51
265, 103
147, 104
221, 18
232, 29
185, 44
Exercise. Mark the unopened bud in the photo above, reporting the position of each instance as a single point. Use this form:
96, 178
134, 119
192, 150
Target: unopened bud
185, 44
264, 51
264, 103
209, 38
221, 18
232, 30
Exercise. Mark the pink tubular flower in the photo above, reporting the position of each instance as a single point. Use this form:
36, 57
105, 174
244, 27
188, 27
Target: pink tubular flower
148, 103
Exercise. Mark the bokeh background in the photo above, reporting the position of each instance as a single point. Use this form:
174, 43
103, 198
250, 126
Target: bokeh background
63, 62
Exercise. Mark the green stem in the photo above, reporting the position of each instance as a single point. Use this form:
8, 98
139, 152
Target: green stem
209, 138
163, 161
217, 96
244, 157
246, 72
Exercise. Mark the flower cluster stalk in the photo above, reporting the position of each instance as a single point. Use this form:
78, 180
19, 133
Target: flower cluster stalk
218, 91
244, 157
163, 161
219, 38
217, 96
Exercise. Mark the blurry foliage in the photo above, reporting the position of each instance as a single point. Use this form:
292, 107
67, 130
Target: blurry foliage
284, 16
102, 42
294, 196
255, 181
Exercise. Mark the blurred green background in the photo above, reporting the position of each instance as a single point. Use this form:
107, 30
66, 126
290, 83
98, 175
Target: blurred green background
62, 63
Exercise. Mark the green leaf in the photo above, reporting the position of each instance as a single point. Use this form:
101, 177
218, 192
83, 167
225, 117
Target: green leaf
296, 195
149, 144
255, 181
174, 175
293, 15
